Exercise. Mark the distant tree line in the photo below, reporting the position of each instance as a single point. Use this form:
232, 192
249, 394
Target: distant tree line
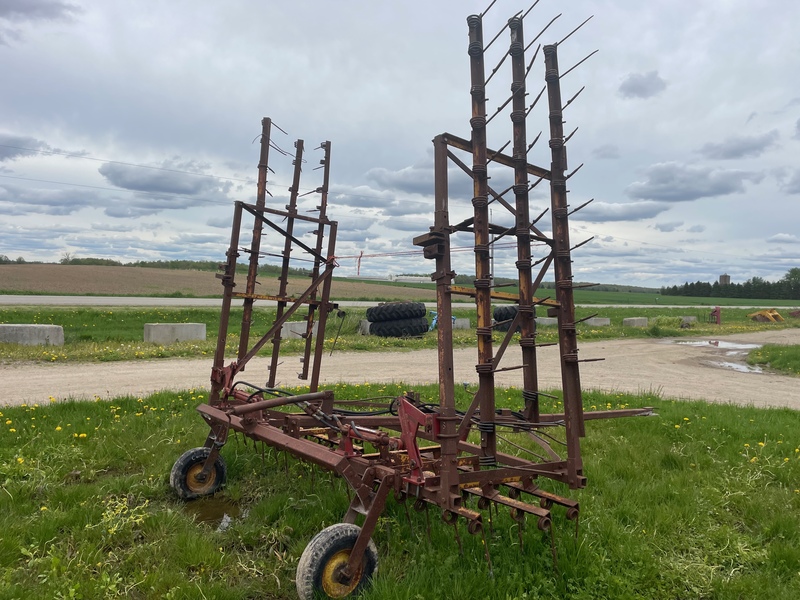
192, 265
787, 288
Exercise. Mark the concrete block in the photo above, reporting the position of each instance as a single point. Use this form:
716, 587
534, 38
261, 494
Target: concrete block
363, 327
461, 323
546, 321
169, 333
294, 330
635, 322
598, 321
32, 335
687, 320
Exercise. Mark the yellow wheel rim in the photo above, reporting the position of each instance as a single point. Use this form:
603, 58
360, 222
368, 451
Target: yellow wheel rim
330, 576
195, 485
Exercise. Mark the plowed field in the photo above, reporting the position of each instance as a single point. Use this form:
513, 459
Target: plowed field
141, 281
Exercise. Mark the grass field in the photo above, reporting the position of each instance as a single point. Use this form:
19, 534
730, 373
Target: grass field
702, 501
96, 334
780, 358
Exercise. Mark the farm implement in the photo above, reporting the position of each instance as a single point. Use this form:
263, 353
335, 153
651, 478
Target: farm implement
430, 453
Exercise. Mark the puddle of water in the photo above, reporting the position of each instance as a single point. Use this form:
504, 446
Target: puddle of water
721, 344
739, 367
215, 512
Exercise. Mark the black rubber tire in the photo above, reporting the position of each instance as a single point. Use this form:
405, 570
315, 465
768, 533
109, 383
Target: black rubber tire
327, 550
399, 328
181, 478
504, 312
394, 311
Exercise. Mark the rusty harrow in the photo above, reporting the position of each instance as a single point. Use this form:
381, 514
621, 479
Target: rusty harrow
427, 453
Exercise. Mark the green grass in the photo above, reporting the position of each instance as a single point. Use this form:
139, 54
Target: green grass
100, 334
701, 501
779, 358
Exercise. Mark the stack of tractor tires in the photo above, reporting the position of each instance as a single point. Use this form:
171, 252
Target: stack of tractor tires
397, 319
504, 312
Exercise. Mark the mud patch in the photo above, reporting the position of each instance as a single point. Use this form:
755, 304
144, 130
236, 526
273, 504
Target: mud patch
218, 513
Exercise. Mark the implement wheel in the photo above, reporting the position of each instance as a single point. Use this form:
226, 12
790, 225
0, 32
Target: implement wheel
183, 477
320, 566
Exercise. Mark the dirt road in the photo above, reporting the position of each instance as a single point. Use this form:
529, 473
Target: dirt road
685, 368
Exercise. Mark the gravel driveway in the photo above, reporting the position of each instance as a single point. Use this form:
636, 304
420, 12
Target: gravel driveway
693, 368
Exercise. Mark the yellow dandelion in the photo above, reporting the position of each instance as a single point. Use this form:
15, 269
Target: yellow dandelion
8, 421
44, 508
12, 430
83, 435
761, 444
58, 428
20, 460
747, 445
677, 426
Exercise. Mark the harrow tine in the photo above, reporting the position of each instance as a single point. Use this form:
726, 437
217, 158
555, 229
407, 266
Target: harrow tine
486, 554
408, 517
427, 522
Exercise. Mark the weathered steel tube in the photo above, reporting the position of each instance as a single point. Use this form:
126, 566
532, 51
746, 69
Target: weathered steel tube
483, 273
568, 344
527, 323
255, 245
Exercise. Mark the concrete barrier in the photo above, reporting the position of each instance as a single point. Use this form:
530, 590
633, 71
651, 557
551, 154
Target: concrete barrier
546, 321
688, 320
598, 321
294, 330
169, 333
462, 323
635, 322
32, 335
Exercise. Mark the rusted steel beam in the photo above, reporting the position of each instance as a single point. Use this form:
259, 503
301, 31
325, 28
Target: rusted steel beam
465, 291
525, 316
483, 274
275, 298
255, 244
568, 344
228, 282
283, 278
503, 159
324, 306
443, 276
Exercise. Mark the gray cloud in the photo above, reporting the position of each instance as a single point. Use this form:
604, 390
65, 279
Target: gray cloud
667, 227
783, 238
619, 211
142, 205
163, 181
793, 185
606, 152
26, 11
676, 182
642, 85
740, 146
220, 222
797, 130
22, 201
17, 146
163, 189
37, 10
696, 229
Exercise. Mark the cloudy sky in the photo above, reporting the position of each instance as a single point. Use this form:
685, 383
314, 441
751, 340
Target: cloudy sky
127, 128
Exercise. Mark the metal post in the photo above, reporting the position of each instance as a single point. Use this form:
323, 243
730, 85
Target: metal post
312, 307
480, 203
530, 390
570, 376
255, 245
283, 279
